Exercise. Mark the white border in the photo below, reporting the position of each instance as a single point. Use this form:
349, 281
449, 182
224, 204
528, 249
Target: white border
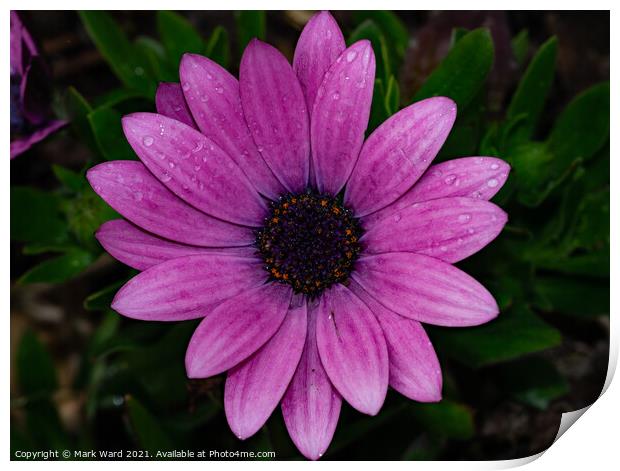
592, 443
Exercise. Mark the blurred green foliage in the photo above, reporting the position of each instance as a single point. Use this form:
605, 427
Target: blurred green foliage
551, 261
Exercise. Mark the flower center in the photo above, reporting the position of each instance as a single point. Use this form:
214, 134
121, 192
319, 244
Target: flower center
310, 241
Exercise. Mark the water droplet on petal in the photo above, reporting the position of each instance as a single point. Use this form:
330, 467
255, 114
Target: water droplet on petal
351, 55
147, 141
219, 90
449, 180
397, 217
492, 183
463, 218
186, 86
494, 166
336, 96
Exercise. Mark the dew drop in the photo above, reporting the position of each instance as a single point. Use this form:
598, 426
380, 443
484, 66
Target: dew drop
470, 231
351, 55
463, 218
336, 96
494, 166
165, 177
186, 86
147, 141
397, 217
171, 164
219, 90
449, 180
492, 183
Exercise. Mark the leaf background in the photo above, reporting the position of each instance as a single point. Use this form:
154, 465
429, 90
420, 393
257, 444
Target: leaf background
532, 88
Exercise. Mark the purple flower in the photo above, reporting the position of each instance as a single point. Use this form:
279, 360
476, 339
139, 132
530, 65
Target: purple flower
30, 92
312, 255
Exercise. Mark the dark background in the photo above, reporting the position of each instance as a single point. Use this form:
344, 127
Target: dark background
491, 424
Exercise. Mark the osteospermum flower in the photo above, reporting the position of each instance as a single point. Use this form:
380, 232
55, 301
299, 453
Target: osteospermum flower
312, 256
31, 119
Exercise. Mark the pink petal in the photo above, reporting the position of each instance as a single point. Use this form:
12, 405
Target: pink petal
414, 368
474, 177
318, 47
132, 190
276, 113
170, 102
141, 250
213, 96
398, 152
311, 405
21, 145
425, 289
340, 116
255, 386
449, 229
187, 287
352, 349
194, 168
236, 329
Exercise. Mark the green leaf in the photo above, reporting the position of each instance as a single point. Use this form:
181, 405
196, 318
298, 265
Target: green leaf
531, 94
116, 97
129, 66
466, 132
533, 381
580, 297
35, 369
464, 70
149, 433
515, 332
582, 128
391, 26
36, 216
378, 110
85, 213
70, 179
59, 269
370, 31
78, 108
520, 46
250, 24
178, 36
163, 69
537, 172
218, 47
385, 102
445, 419
392, 96
102, 299
591, 264
107, 129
